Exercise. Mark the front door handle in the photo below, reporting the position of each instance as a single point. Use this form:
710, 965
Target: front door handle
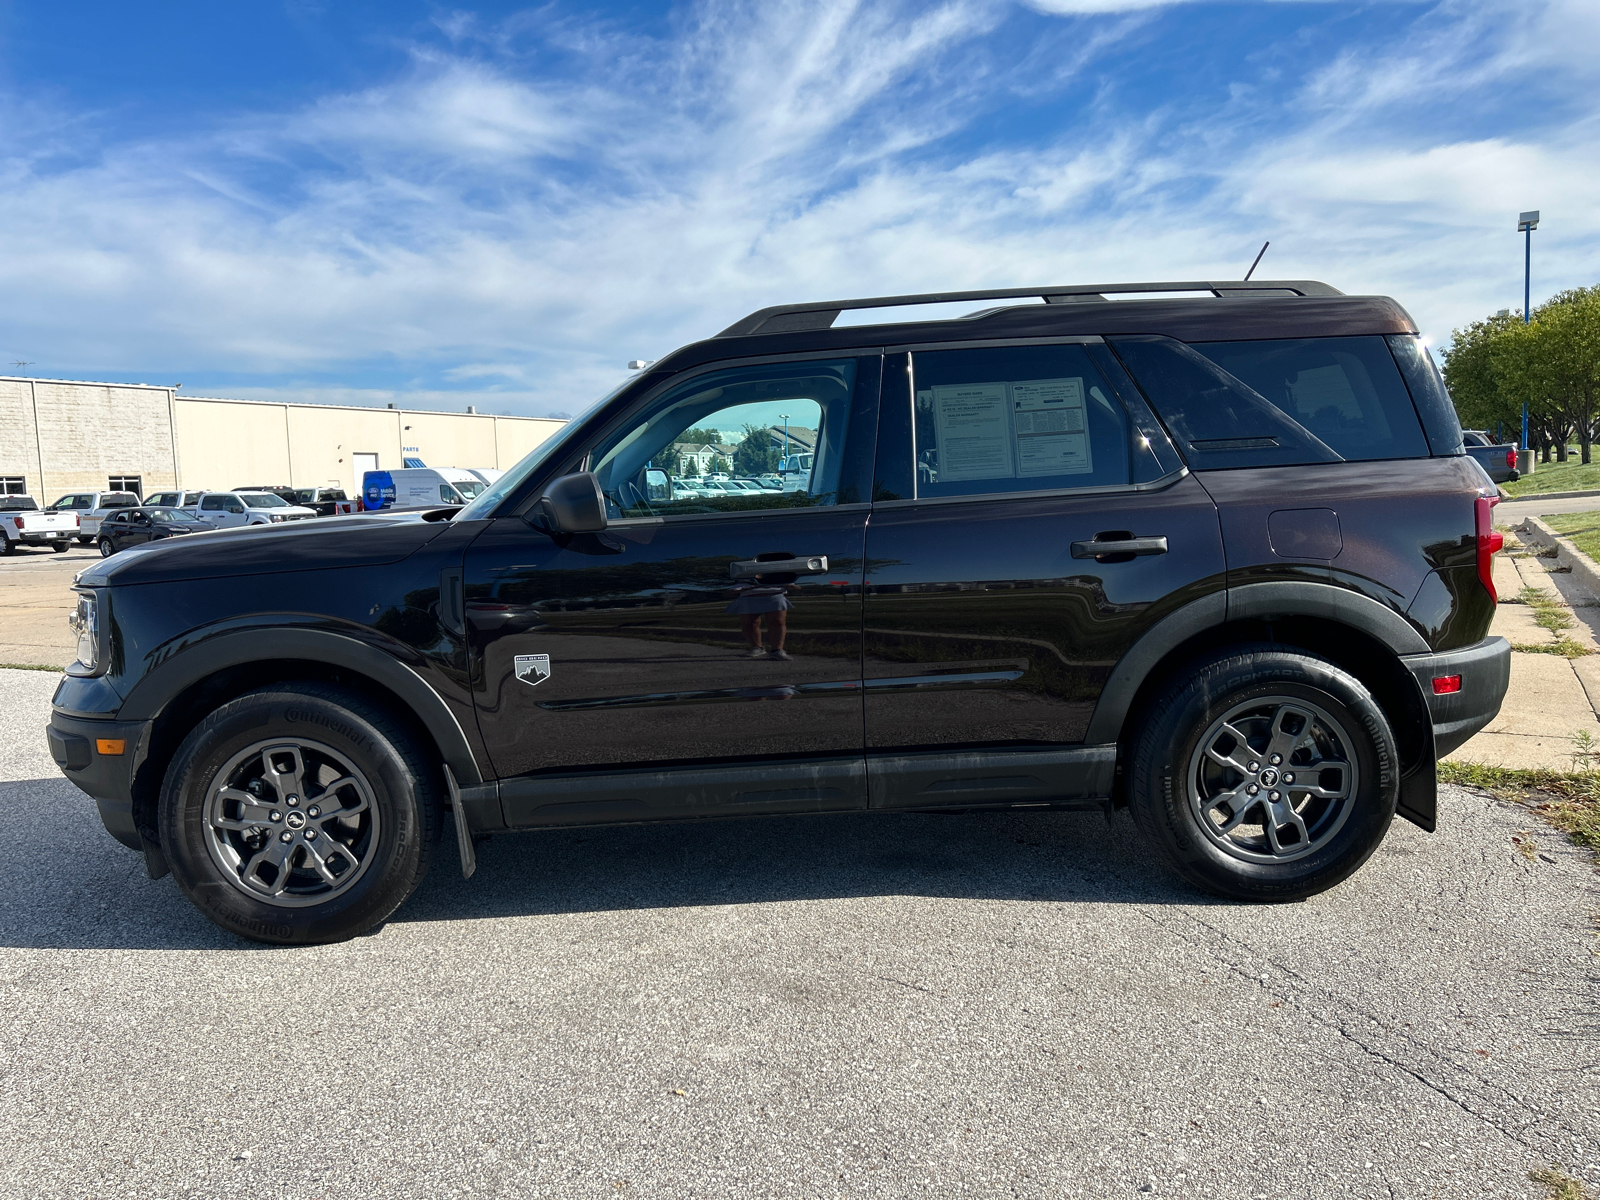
807, 564
1130, 546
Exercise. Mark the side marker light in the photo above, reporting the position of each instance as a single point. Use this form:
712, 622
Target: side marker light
118, 745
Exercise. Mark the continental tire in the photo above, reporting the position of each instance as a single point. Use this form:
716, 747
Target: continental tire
1264, 774
300, 813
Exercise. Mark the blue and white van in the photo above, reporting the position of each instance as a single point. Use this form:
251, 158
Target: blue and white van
419, 487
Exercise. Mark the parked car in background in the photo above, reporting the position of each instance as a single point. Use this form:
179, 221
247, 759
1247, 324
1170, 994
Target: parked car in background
281, 490
1499, 459
173, 499
23, 524
419, 487
91, 507
147, 523
229, 510
1220, 560
324, 501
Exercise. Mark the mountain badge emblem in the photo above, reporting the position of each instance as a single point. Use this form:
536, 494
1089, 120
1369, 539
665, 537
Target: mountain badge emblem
533, 669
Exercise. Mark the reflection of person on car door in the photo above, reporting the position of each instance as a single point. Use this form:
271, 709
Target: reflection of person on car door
765, 601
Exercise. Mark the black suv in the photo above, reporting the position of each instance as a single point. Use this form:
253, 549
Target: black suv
1219, 559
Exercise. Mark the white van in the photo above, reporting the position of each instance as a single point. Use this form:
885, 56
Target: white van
418, 487
489, 475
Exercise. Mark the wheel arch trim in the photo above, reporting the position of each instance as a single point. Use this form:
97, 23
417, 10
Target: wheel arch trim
241, 647
1258, 601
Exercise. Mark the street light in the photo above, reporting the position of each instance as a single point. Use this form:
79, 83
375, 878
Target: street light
1526, 223
784, 461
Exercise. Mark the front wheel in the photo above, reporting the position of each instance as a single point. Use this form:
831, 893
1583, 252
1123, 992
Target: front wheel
1265, 774
300, 813
106, 548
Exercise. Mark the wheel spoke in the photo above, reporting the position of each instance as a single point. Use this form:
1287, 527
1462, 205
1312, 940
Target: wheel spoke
276, 854
253, 811
1283, 741
1327, 793
1239, 803
1239, 758
330, 796
284, 767
1281, 817
319, 853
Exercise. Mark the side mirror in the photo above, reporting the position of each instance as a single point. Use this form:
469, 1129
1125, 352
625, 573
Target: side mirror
235, 508
575, 504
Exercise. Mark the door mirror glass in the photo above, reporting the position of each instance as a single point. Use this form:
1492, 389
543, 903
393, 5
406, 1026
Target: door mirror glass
236, 508
574, 504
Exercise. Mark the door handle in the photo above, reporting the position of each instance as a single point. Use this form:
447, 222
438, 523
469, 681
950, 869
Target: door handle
1130, 546
810, 564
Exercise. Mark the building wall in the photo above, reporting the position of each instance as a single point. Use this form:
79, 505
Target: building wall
88, 432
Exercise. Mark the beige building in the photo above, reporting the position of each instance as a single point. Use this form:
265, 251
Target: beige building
59, 436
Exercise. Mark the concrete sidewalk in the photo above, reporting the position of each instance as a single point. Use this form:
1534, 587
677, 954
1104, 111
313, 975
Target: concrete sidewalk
1552, 700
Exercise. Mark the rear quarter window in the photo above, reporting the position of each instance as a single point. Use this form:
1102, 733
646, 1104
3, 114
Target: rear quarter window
1278, 402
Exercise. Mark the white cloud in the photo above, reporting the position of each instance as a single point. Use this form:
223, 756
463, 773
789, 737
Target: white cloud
468, 224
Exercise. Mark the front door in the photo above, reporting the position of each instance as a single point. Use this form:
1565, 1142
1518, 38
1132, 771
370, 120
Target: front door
992, 618
703, 653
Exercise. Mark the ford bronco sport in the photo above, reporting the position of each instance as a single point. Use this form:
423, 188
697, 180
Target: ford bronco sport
1218, 559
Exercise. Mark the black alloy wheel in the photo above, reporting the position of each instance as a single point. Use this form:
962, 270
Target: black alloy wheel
300, 813
1264, 773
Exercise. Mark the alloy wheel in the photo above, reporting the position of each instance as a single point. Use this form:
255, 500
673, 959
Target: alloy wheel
291, 822
1273, 779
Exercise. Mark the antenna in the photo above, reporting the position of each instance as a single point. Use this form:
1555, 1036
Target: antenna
17, 362
1257, 262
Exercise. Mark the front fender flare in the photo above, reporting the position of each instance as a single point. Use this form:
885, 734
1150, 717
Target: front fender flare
238, 647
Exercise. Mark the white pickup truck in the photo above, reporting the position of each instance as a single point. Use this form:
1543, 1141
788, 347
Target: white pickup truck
22, 524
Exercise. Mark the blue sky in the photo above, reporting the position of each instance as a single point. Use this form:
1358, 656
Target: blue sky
500, 205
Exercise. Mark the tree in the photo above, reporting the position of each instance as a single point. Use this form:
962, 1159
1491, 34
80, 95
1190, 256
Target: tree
755, 454
699, 437
719, 465
690, 466
1469, 373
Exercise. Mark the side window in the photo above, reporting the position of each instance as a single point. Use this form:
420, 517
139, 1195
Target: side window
1278, 402
214, 504
1014, 419
809, 423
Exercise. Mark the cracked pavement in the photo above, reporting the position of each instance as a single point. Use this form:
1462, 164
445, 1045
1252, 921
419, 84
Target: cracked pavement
884, 1005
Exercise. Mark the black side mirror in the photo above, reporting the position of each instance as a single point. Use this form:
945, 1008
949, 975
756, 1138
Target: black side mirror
574, 504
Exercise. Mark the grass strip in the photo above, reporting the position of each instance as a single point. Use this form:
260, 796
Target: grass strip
1571, 476
1565, 647
1558, 1184
1569, 800
1582, 529
29, 667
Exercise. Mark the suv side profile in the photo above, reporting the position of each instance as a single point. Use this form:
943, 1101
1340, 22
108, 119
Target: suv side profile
1220, 560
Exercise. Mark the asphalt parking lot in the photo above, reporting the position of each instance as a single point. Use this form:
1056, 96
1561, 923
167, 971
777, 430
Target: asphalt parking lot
35, 600
868, 1005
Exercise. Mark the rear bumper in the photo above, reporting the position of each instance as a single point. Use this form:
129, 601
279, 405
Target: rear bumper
1485, 670
108, 778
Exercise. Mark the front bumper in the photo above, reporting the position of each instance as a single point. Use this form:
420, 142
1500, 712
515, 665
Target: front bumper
78, 746
1485, 670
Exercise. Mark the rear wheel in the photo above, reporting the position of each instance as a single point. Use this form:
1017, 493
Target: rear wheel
1265, 774
7, 546
59, 546
300, 813
106, 548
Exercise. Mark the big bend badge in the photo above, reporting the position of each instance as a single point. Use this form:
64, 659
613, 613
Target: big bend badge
533, 669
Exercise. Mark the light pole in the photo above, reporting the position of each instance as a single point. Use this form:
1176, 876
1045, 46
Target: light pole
784, 461
1526, 224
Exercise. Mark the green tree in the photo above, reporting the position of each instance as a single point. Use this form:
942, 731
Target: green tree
755, 454
1555, 362
1469, 373
719, 465
690, 466
699, 437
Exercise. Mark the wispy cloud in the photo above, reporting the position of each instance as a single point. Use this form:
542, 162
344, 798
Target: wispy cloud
478, 222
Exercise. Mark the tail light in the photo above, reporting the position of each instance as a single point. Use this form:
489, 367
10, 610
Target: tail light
76, 522
1488, 542
1511, 458
360, 507
17, 521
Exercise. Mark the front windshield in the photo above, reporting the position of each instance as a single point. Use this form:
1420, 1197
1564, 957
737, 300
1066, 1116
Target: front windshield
263, 500
470, 490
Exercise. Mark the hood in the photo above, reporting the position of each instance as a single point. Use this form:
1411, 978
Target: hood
356, 541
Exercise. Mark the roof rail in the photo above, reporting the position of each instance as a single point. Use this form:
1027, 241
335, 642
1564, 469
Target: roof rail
792, 318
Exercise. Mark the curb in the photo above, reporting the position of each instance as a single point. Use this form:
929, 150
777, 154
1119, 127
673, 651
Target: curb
1510, 499
1583, 569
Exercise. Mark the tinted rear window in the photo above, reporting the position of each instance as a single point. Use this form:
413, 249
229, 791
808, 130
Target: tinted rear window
1276, 403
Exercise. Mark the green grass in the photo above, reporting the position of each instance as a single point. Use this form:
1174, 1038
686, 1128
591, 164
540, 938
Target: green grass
1564, 647
1569, 800
1582, 528
28, 667
1558, 1184
1571, 476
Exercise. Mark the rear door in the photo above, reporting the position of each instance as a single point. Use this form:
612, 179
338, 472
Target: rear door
706, 652
1031, 521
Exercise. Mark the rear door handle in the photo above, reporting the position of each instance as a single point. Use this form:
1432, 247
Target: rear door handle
809, 564
1138, 545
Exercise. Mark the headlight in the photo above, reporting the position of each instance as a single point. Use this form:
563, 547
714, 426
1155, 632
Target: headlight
276, 518
85, 622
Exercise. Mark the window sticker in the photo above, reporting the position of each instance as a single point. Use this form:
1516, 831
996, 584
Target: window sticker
974, 432
1050, 430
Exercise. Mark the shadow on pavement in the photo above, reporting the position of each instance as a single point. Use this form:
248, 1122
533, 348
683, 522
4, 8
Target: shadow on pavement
64, 883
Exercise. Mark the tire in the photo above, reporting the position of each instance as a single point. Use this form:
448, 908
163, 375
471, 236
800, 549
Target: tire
7, 546
106, 548
231, 808
59, 546
1228, 712
84, 541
